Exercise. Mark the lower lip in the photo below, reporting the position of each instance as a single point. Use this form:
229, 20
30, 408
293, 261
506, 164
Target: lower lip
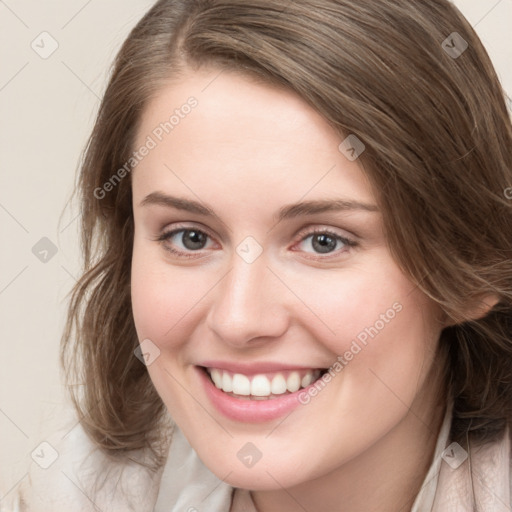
249, 411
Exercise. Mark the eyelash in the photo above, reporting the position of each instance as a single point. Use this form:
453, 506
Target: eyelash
303, 235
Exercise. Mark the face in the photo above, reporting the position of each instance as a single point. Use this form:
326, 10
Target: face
260, 263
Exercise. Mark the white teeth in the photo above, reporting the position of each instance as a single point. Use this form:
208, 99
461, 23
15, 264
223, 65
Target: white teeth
260, 386
293, 382
306, 380
241, 384
227, 383
278, 385
216, 376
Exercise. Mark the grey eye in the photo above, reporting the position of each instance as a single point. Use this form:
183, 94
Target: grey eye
193, 239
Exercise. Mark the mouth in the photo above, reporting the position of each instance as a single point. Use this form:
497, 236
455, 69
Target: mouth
262, 386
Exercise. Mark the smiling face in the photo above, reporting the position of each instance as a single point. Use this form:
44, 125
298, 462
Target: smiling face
228, 275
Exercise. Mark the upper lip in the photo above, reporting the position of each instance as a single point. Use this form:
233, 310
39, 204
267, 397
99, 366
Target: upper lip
256, 367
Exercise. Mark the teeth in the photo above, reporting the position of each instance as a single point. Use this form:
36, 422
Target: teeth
261, 386
306, 380
293, 382
227, 383
216, 377
278, 386
241, 384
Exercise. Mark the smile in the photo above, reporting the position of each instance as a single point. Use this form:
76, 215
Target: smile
257, 392
265, 386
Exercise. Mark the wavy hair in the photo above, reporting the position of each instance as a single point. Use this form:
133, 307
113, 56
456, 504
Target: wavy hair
438, 153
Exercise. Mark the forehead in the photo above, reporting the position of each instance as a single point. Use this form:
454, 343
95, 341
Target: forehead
227, 102
212, 127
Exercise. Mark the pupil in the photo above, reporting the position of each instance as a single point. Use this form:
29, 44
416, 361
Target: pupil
324, 243
193, 239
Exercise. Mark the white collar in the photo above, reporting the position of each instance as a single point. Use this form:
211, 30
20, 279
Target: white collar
187, 485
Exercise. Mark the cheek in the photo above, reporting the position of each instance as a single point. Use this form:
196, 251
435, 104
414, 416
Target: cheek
166, 300
355, 307
153, 298
382, 330
164, 306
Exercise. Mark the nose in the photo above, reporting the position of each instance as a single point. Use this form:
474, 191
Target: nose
248, 306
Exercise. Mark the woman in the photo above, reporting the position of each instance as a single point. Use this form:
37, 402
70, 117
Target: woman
298, 279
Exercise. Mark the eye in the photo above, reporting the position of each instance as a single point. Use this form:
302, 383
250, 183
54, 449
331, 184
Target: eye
184, 241
323, 241
188, 242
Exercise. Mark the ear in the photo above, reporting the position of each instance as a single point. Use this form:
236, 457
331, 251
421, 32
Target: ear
477, 310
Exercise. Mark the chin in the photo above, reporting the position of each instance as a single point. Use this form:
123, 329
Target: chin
266, 474
260, 479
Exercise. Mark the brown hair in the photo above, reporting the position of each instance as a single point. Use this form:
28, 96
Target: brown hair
438, 153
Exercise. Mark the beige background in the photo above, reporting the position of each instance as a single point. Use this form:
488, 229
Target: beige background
47, 107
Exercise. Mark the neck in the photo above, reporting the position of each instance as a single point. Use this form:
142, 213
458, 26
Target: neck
385, 478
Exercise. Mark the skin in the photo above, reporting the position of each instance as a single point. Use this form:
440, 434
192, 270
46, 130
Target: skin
247, 149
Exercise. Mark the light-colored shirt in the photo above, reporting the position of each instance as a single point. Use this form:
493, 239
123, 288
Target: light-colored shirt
84, 479
242, 501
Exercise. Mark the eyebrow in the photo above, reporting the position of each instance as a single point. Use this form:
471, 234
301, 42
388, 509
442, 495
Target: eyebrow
286, 212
